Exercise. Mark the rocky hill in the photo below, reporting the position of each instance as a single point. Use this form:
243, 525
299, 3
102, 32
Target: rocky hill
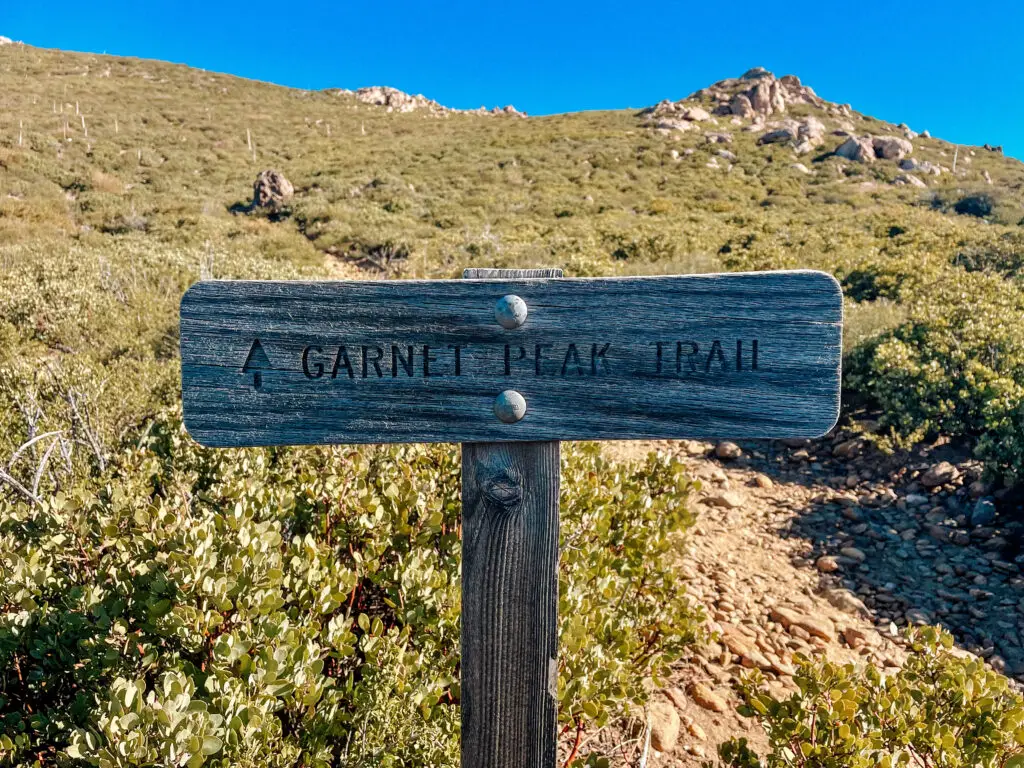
122, 181
786, 112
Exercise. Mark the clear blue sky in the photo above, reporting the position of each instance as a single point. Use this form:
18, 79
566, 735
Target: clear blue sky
955, 68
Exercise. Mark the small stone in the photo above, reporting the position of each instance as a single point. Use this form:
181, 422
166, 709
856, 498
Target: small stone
763, 481
960, 538
977, 489
827, 564
737, 642
847, 449
728, 451
727, 500
696, 731
677, 697
853, 554
941, 474
845, 601
664, 726
984, 511
706, 698
917, 616
857, 638
818, 626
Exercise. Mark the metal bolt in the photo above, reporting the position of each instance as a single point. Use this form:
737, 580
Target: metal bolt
510, 311
510, 406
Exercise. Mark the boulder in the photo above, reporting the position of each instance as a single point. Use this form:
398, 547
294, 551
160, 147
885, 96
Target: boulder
921, 166
861, 150
718, 138
741, 106
696, 114
891, 147
812, 129
271, 190
780, 136
761, 98
755, 73
673, 124
905, 179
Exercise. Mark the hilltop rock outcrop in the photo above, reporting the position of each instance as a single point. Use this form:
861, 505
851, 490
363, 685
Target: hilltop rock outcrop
757, 92
394, 100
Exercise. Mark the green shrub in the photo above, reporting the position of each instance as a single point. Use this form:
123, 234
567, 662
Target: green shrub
185, 606
955, 366
979, 205
939, 709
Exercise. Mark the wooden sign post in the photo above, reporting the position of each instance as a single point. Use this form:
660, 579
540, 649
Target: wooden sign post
509, 363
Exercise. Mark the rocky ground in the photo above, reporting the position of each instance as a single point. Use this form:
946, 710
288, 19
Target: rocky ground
830, 547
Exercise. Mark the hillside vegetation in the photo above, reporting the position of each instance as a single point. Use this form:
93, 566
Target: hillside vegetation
168, 605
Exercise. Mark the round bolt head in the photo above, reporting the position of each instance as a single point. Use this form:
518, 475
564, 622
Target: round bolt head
510, 311
510, 406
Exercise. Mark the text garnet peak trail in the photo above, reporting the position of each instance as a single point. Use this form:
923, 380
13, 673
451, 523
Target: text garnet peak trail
737, 355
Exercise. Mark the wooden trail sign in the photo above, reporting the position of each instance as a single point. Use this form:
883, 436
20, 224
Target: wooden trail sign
509, 363
735, 355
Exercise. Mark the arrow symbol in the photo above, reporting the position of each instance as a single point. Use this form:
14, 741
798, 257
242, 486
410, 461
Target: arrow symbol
256, 362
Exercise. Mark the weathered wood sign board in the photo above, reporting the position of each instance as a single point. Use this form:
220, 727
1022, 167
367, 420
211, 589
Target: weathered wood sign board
732, 355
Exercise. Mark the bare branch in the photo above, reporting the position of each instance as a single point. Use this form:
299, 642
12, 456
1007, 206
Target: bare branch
42, 467
24, 446
13, 483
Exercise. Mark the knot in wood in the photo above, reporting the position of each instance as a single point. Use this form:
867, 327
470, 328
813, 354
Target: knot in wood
503, 489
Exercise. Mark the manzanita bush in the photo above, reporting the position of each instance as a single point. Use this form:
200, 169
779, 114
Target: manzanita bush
287, 607
942, 709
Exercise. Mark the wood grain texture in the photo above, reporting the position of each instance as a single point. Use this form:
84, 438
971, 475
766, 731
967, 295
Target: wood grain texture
509, 604
586, 360
510, 596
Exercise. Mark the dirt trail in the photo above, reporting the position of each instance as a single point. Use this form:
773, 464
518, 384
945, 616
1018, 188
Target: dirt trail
828, 547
